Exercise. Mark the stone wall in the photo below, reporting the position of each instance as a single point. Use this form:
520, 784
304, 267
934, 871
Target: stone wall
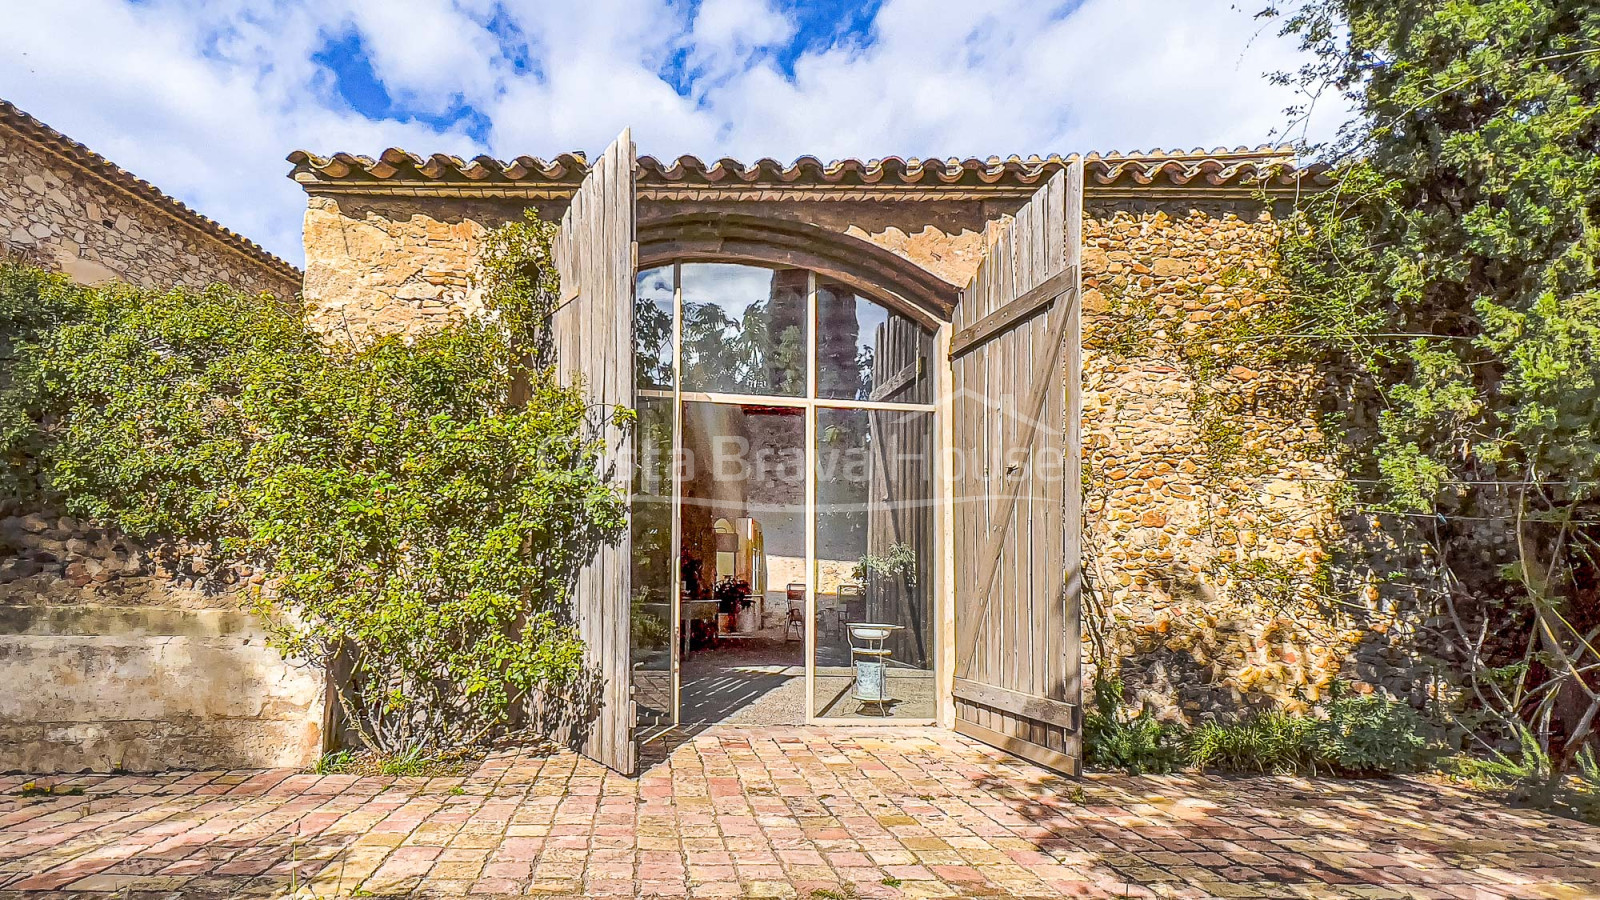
1208, 508
64, 215
377, 266
381, 265
115, 657
1209, 519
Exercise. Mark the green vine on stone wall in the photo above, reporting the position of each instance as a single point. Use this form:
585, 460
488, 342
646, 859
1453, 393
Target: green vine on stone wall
1242, 379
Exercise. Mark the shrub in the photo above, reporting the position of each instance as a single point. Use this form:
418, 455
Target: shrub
1355, 736
419, 532
1136, 745
1265, 742
1372, 735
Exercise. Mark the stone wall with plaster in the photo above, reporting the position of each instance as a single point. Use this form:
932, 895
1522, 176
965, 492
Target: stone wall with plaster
387, 265
58, 213
1208, 494
117, 657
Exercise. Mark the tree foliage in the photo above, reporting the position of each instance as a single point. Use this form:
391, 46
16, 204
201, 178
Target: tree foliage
1451, 276
417, 530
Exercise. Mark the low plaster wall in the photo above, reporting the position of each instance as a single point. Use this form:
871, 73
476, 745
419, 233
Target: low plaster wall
116, 658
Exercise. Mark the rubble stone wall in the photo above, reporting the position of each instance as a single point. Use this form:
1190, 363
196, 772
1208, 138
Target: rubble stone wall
59, 214
382, 266
1209, 516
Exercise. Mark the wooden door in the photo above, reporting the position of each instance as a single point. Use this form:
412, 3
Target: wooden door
592, 336
1016, 368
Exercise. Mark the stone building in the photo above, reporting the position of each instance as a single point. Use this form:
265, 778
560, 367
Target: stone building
1178, 528
112, 655
63, 205
918, 334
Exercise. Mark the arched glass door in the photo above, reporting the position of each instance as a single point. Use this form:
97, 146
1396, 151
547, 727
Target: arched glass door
786, 428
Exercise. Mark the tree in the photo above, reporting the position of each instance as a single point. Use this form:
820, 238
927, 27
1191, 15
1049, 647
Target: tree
1453, 274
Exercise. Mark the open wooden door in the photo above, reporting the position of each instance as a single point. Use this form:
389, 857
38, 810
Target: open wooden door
1016, 367
592, 332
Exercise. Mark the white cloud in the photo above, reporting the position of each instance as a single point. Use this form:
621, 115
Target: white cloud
204, 97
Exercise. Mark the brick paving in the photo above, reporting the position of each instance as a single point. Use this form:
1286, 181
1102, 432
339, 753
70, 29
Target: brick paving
792, 812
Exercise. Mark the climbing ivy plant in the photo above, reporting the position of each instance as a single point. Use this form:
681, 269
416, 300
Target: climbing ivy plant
417, 530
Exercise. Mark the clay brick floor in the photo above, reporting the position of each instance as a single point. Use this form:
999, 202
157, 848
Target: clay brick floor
810, 813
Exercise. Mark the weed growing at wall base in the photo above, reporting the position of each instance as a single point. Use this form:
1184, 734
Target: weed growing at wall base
1353, 735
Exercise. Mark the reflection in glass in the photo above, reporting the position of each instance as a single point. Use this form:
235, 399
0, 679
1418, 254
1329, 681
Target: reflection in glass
743, 532
652, 329
866, 351
875, 643
650, 614
744, 329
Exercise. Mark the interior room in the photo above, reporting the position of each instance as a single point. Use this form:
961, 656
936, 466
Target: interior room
784, 501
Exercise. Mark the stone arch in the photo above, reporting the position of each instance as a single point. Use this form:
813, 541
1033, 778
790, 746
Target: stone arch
866, 267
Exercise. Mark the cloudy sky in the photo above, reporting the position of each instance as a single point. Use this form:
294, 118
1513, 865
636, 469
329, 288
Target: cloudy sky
205, 97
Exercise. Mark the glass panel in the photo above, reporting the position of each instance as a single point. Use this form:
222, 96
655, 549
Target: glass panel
650, 616
866, 351
744, 329
875, 621
744, 559
652, 329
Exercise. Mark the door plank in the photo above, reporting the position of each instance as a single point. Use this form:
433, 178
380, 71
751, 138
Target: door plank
1010, 399
593, 342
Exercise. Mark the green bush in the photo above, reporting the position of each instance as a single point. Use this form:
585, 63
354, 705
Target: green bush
1136, 745
1354, 736
1264, 742
418, 531
1372, 735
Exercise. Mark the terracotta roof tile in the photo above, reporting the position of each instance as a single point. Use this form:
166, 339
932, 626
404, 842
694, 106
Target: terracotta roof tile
1239, 167
39, 133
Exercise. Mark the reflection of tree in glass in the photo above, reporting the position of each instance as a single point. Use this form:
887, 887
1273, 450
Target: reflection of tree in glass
841, 492
652, 342
864, 358
761, 352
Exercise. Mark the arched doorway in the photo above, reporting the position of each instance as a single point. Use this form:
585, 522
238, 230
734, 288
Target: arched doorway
787, 431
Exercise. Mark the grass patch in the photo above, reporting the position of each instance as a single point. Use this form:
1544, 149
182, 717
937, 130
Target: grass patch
410, 764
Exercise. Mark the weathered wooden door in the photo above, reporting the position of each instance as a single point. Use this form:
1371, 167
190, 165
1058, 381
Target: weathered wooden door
1016, 366
592, 331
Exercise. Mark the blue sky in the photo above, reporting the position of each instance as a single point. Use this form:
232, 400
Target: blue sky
205, 97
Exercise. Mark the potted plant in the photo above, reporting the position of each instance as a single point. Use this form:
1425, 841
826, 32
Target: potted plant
733, 601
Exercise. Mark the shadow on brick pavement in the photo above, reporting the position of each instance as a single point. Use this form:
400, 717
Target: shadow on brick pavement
809, 813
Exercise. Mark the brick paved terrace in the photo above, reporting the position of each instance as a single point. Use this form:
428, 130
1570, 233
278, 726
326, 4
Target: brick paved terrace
809, 813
